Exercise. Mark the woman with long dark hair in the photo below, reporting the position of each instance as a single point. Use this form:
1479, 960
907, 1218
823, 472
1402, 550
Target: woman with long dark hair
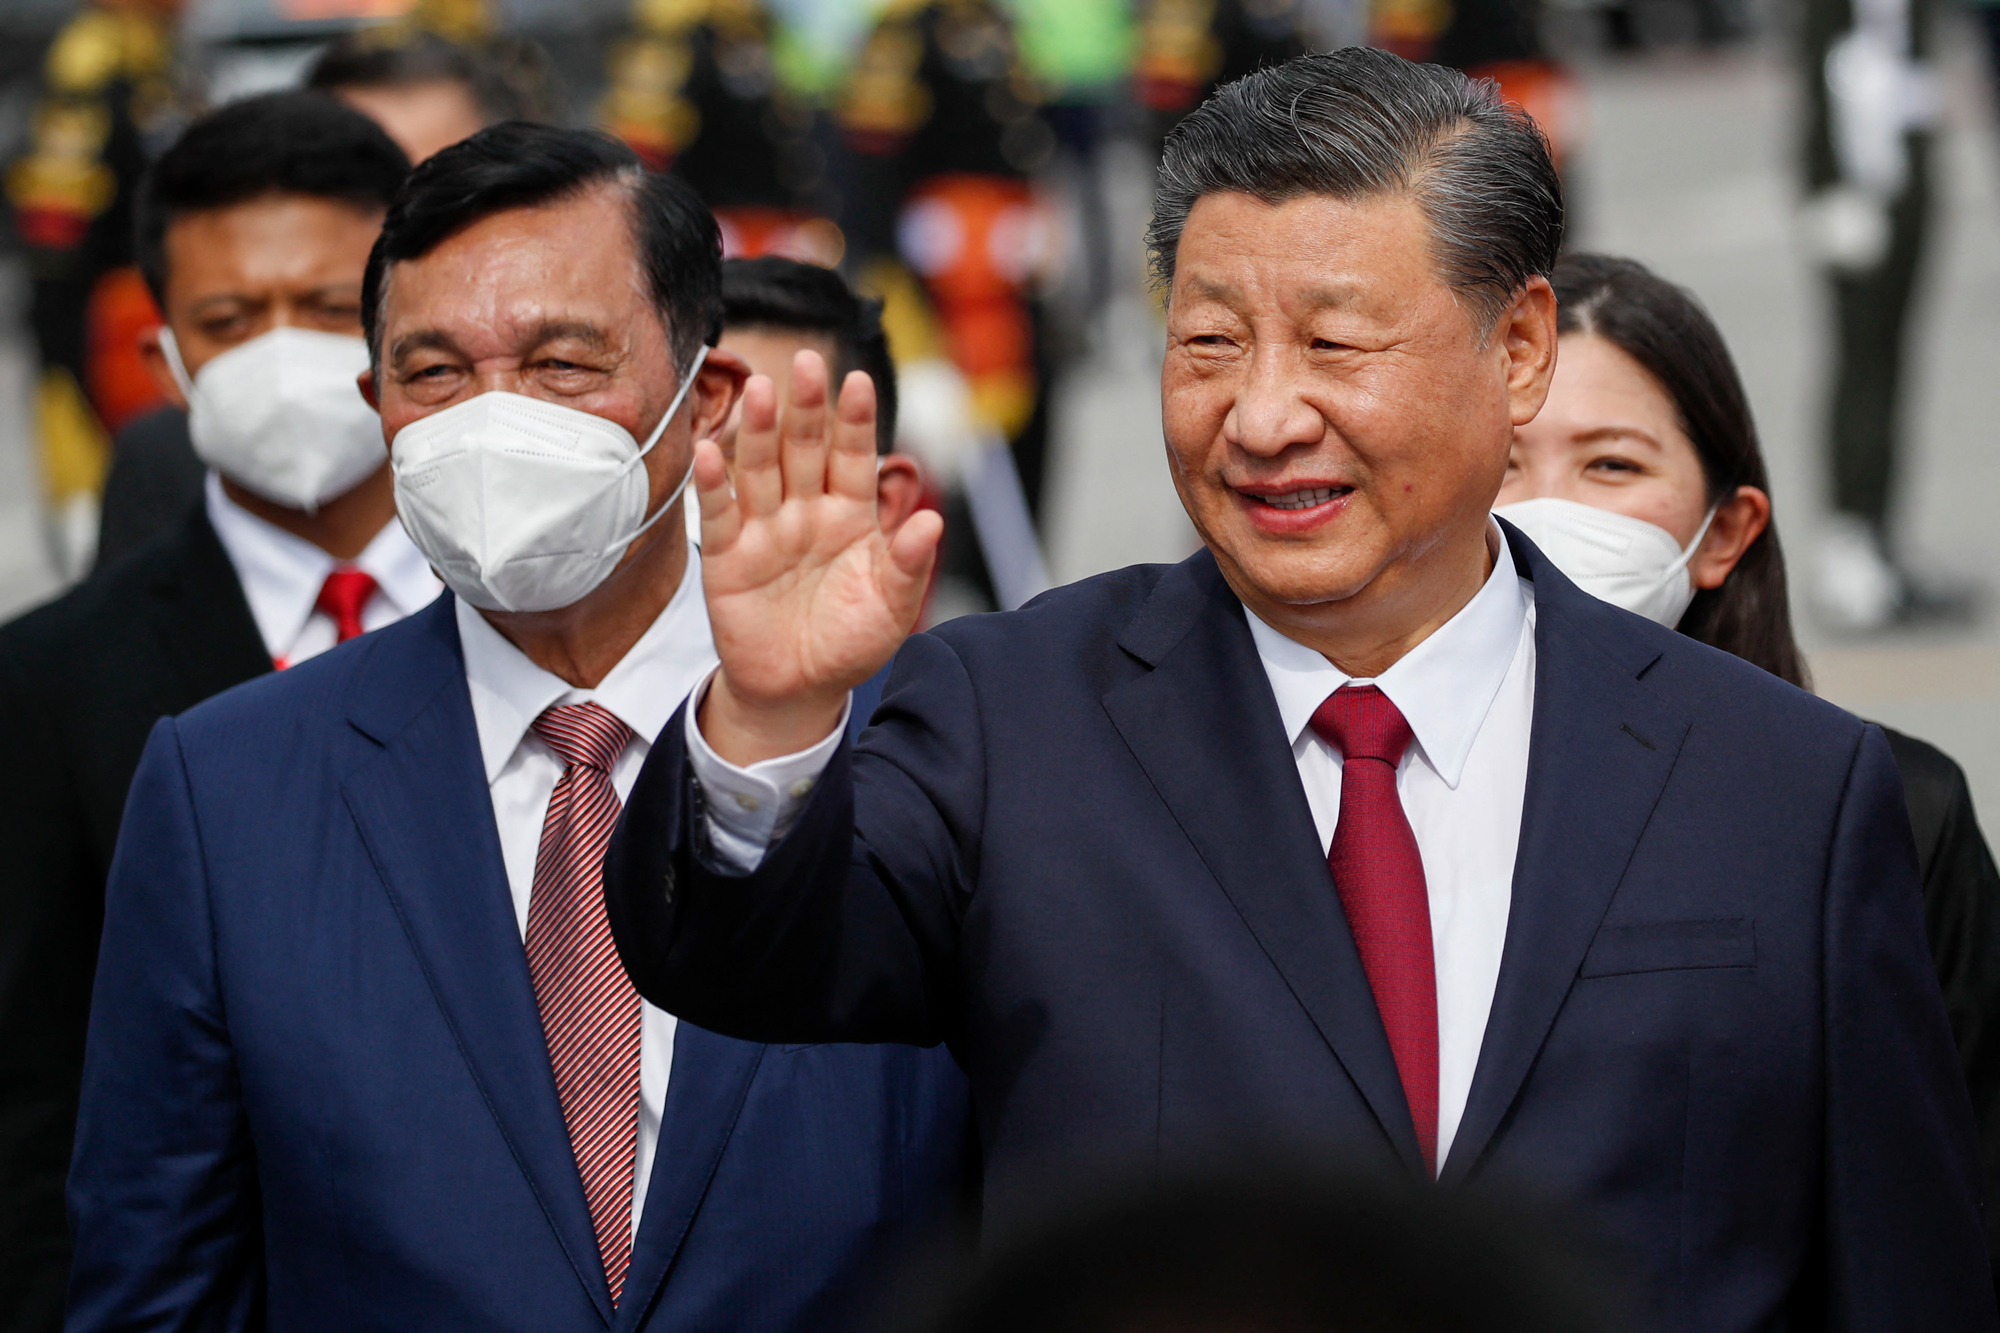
1642, 479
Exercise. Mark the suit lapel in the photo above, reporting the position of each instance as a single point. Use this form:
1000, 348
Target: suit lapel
207, 633
1204, 726
705, 1093
421, 804
1600, 752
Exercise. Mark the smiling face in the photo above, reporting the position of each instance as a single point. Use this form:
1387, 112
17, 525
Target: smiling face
1337, 420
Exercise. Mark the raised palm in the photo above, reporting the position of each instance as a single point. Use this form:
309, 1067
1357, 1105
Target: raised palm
807, 596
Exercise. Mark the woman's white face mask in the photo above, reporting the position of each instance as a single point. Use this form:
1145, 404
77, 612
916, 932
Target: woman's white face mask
280, 414
526, 505
1625, 561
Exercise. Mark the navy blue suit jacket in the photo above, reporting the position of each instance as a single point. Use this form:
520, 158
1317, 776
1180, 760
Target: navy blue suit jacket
317, 1094
1077, 848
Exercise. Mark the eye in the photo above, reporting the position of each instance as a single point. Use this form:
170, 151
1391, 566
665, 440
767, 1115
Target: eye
1328, 345
226, 328
1614, 465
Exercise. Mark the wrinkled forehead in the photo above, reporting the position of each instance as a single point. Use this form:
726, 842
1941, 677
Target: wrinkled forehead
498, 285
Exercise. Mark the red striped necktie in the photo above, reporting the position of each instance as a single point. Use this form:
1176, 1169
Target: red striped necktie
590, 1013
1379, 875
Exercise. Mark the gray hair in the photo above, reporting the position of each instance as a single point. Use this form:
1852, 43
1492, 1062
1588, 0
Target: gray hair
1358, 123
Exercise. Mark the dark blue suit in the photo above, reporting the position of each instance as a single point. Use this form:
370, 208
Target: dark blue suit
1079, 851
317, 1092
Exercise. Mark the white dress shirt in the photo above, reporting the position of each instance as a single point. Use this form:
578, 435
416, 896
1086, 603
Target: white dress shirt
282, 574
508, 693
1468, 693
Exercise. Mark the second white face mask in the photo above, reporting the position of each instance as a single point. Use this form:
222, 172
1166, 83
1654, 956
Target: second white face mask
280, 415
522, 504
1625, 561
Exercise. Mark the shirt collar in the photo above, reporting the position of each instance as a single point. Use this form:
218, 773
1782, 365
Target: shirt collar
1443, 686
509, 692
282, 573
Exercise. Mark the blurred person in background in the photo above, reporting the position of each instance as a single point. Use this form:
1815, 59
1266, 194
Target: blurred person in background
429, 92
1872, 103
253, 231
943, 138
774, 308
425, 92
361, 1054
107, 102
1643, 480
1361, 827
1266, 1247
699, 89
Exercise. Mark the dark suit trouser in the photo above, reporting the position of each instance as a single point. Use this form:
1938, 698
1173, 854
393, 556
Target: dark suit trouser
1871, 317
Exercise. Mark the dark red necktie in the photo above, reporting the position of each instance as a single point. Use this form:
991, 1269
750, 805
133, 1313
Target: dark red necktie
341, 598
1380, 878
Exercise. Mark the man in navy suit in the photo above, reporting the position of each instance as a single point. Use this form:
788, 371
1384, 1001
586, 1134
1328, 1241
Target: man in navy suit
361, 1053
1362, 830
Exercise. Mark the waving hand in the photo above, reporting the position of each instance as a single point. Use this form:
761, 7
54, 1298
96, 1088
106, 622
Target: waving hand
806, 595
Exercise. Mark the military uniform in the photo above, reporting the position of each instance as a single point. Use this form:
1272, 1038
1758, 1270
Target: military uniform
107, 94
694, 86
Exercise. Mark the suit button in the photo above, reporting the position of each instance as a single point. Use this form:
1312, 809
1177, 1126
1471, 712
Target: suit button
667, 886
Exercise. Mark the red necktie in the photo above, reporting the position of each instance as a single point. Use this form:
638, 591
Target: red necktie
1380, 878
341, 598
590, 1013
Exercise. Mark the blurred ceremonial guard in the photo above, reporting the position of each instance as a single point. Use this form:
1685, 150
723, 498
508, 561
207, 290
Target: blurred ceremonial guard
108, 95
1872, 103
1188, 48
694, 86
942, 132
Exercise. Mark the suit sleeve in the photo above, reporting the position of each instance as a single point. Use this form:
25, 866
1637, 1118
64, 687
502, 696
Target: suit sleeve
163, 1192
1904, 1241
847, 930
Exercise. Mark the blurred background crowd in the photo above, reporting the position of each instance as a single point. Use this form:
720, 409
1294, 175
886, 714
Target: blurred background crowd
1821, 173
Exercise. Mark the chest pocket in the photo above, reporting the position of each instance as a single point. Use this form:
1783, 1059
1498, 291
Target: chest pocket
1671, 946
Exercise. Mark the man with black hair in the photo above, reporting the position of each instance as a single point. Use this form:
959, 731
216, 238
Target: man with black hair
254, 230
361, 1054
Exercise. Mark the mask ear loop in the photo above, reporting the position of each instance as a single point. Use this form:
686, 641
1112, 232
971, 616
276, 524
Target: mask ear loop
687, 382
1680, 565
175, 366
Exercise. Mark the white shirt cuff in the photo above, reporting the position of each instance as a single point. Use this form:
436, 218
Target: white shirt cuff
751, 808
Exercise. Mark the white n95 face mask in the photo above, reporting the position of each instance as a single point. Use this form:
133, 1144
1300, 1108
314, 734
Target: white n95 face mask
280, 414
522, 504
1625, 561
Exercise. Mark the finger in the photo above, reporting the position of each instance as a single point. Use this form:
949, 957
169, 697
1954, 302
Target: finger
721, 519
907, 572
759, 486
802, 441
851, 468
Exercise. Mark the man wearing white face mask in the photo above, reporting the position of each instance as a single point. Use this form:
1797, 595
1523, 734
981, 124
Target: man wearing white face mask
436, 1101
254, 233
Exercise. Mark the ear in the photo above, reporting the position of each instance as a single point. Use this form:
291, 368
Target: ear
365, 382
899, 488
717, 386
155, 358
1739, 521
1526, 332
